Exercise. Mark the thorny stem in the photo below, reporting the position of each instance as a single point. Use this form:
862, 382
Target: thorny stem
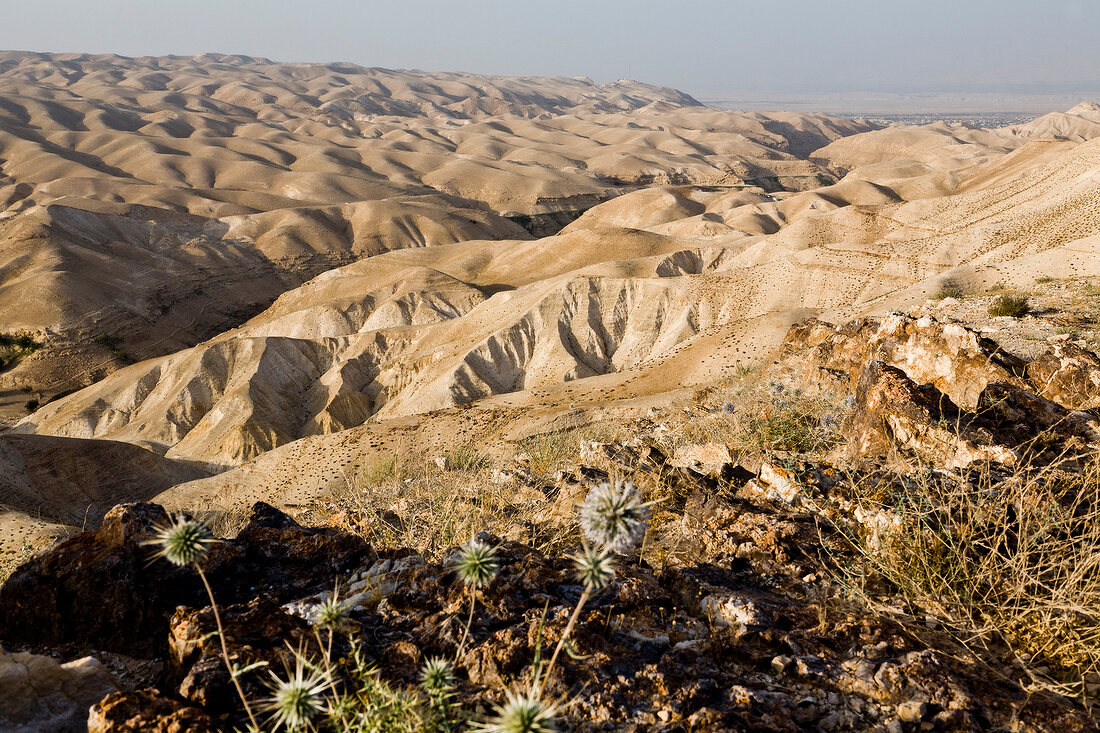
564, 637
469, 623
225, 649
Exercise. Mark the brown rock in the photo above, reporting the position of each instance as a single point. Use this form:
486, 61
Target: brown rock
956, 360
258, 631
146, 711
702, 458
1022, 415
82, 591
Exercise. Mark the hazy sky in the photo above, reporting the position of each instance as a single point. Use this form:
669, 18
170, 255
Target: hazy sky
710, 49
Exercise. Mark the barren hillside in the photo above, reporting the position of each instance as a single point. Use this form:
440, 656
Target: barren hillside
299, 254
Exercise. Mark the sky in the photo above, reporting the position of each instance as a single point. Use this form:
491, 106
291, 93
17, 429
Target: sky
712, 49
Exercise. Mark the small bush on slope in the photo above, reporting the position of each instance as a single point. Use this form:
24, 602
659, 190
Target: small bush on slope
1010, 305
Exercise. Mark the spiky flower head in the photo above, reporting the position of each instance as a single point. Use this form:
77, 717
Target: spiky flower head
182, 542
331, 613
521, 712
437, 675
297, 700
477, 564
614, 517
595, 567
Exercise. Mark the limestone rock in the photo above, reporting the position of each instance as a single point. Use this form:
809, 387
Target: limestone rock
892, 412
703, 458
1069, 374
40, 695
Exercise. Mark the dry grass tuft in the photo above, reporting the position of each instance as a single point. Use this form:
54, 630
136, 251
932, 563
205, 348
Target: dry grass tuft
1012, 556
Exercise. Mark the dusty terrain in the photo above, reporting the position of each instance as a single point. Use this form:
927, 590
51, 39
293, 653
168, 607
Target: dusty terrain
291, 252
226, 280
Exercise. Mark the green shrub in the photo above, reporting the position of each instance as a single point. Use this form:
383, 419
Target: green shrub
1010, 305
32, 405
949, 290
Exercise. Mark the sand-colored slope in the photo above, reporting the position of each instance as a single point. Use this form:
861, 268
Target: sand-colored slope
222, 136
421, 330
161, 201
155, 281
75, 481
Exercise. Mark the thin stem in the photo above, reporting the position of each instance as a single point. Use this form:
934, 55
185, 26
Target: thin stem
469, 623
225, 649
564, 637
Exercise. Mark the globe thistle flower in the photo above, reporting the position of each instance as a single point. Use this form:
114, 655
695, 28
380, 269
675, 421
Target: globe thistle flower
297, 700
331, 613
183, 542
477, 564
614, 517
594, 567
437, 675
521, 712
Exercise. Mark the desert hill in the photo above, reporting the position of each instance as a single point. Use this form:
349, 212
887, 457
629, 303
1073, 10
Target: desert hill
300, 255
416, 331
157, 202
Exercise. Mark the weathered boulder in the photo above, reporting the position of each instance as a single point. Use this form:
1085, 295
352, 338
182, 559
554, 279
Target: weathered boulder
957, 360
1021, 416
145, 711
1069, 374
39, 694
894, 413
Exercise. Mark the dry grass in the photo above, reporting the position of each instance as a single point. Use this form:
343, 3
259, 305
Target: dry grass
1016, 306
750, 414
431, 508
1012, 557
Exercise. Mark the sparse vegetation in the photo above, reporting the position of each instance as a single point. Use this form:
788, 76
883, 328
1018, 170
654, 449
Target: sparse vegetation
14, 347
112, 343
323, 692
949, 289
1010, 557
32, 404
1016, 306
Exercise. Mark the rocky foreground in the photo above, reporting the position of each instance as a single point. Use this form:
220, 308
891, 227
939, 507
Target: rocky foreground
743, 611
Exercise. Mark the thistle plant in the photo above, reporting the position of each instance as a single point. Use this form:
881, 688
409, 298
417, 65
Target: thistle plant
476, 564
332, 616
522, 712
296, 701
437, 678
186, 541
437, 675
182, 542
594, 567
614, 517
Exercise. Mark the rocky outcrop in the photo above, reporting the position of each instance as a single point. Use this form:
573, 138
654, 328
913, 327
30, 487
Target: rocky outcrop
955, 359
1068, 373
51, 598
146, 711
40, 695
894, 413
